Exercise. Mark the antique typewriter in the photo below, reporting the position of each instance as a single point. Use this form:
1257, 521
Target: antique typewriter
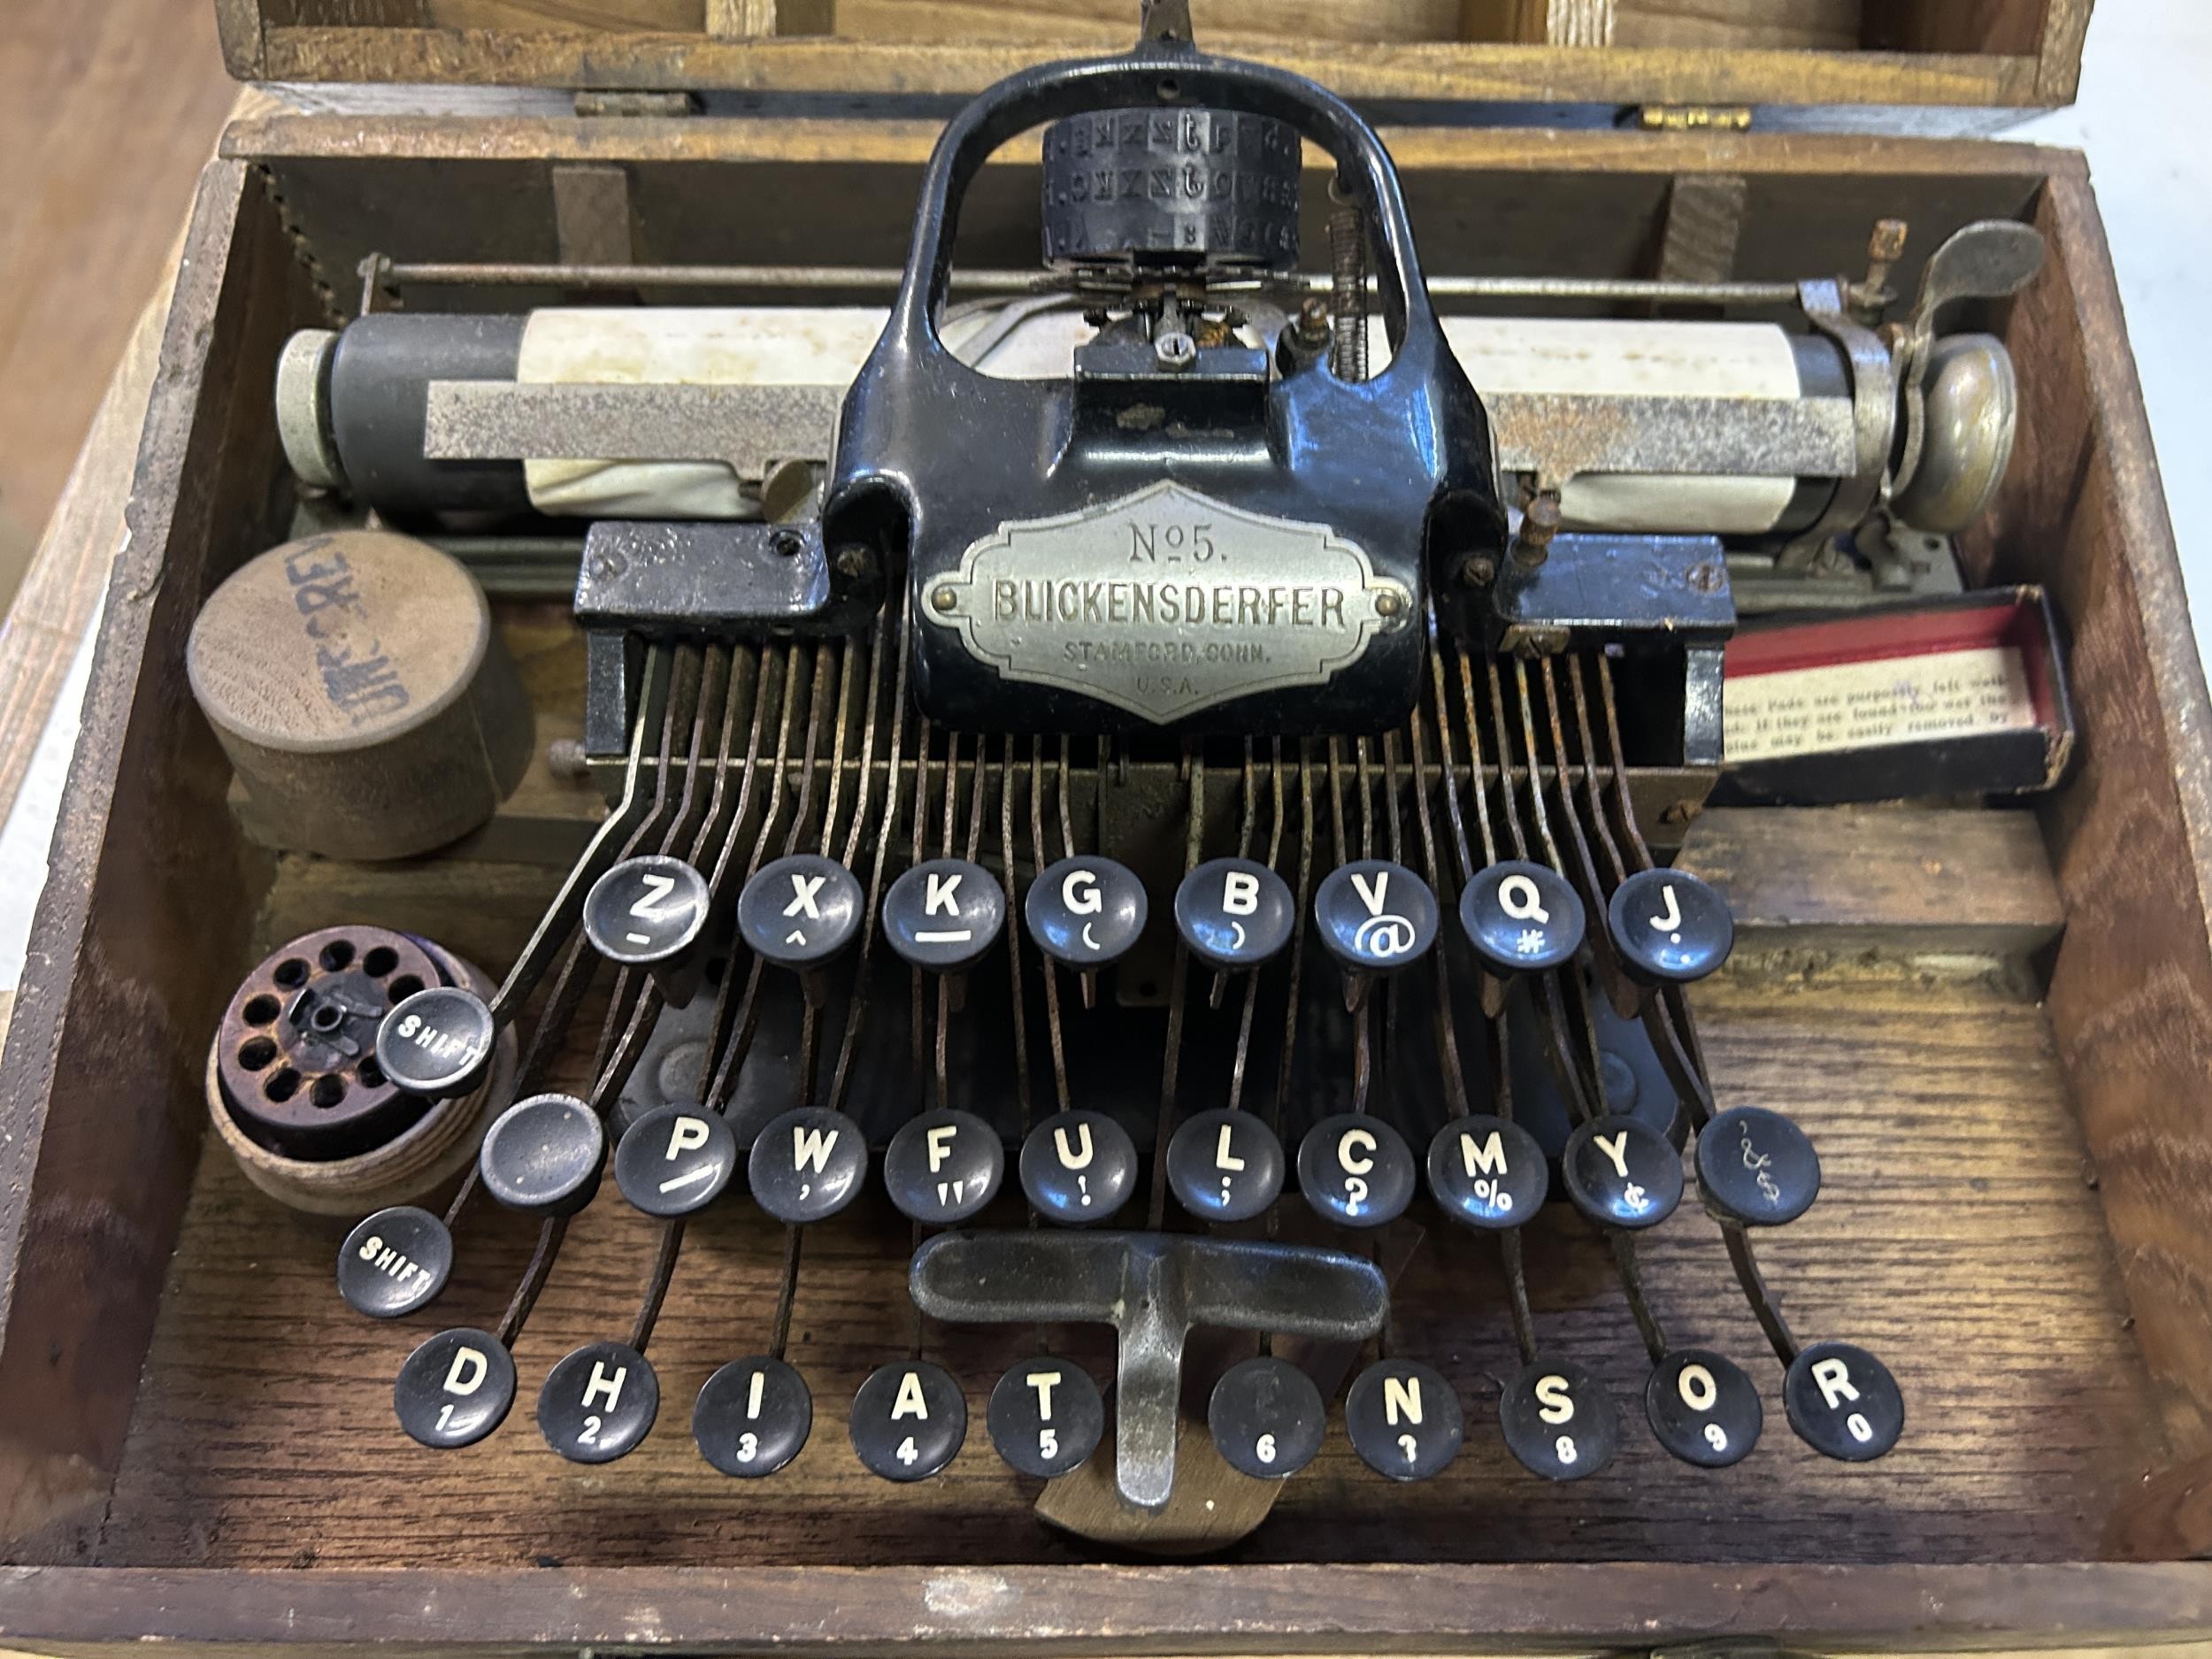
1142, 791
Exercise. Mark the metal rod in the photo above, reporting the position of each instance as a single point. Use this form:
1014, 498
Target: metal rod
857, 1005
787, 1292
1048, 969
533, 1277
1446, 1032
1297, 935
1172, 1057
648, 1311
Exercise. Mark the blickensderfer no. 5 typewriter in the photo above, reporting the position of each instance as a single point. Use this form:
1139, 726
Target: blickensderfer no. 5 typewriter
1154, 768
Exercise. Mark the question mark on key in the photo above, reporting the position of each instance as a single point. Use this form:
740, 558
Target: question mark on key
1355, 1194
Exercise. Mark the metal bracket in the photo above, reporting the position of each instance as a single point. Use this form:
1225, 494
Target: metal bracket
1152, 1287
686, 580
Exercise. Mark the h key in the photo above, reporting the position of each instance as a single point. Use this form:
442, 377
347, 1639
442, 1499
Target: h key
1152, 1289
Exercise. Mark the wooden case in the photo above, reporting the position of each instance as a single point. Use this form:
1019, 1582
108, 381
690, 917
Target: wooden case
1995, 1022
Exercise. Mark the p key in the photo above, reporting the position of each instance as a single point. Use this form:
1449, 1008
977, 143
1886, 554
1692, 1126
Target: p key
675, 1161
753, 1416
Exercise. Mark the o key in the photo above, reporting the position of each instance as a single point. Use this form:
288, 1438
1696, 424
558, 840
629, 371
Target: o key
753, 1416
1702, 1408
1046, 1416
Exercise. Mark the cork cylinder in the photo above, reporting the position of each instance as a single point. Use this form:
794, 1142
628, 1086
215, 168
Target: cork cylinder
363, 695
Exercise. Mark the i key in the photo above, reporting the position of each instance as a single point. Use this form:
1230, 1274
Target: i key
648, 912
598, 1402
753, 1416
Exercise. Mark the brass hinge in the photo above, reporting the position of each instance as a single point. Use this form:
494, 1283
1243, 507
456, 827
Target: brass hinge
632, 106
1683, 118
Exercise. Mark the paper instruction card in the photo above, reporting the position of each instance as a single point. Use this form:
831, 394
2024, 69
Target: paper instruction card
1874, 704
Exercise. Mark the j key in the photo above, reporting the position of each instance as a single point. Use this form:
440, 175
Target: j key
943, 1167
808, 1165
943, 914
1843, 1402
1559, 1421
650, 913
1702, 1408
1375, 916
1087, 912
1488, 1172
544, 1155
675, 1161
397, 1260
1224, 1166
1522, 917
1233, 913
1078, 1168
1046, 1416
1670, 927
908, 1420
1622, 1173
1756, 1166
753, 1416
1267, 1418
1355, 1171
1404, 1419
801, 912
598, 1402
455, 1389
436, 1042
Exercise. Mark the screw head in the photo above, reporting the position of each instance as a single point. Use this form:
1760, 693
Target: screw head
943, 598
1479, 572
1389, 602
855, 563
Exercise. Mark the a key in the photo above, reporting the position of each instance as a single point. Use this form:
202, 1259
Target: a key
651, 913
598, 1402
397, 1260
1267, 1418
1224, 1166
1559, 1422
675, 1161
1087, 912
1375, 916
1622, 1173
1757, 1167
1670, 927
1078, 1168
1488, 1172
544, 1155
1355, 1171
908, 1420
943, 1167
808, 1165
1703, 1409
1046, 1416
1843, 1402
436, 1042
942, 915
1404, 1419
455, 1389
753, 1416
1235, 914
1522, 917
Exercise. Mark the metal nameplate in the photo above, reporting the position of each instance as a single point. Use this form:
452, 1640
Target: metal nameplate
1165, 602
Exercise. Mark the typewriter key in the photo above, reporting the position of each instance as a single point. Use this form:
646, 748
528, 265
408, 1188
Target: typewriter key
544, 1155
1843, 1402
1404, 1419
808, 1165
800, 912
1375, 916
1669, 926
1233, 913
1224, 1166
1522, 917
1078, 1168
753, 1416
1622, 1173
648, 912
1757, 1167
909, 1419
435, 1043
1267, 1418
942, 915
1488, 1172
598, 1402
394, 1263
1559, 1421
675, 1161
1087, 912
455, 1389
1703, 1409
1356, 1170
943, 1167
1046, 1416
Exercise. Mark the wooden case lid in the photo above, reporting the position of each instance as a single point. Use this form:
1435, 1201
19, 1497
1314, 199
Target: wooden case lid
1678, 54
